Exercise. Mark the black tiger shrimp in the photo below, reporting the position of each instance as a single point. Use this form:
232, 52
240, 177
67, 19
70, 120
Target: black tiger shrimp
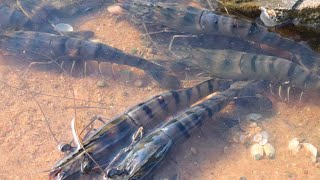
14, 19
104, 143
150, 151
237, 65
198, 21
50, 47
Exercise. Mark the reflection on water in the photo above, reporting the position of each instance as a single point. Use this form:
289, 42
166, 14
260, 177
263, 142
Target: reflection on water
39, 100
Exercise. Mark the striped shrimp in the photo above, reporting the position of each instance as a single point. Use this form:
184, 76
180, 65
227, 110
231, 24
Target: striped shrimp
115, 135
148, 153
48, 10
14, 19
237, 65
201, 21
55, 47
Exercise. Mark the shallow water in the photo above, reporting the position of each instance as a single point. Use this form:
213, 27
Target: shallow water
28, 149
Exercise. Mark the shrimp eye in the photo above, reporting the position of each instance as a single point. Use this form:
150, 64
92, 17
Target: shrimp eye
116, 172
86, 166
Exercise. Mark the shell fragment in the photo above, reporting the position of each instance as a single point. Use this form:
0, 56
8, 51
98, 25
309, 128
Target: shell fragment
62, 27
269, 150
311, 150
294, 146
257, 151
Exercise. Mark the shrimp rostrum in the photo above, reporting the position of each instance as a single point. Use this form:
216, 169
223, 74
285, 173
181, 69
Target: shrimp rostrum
107, 141
150, 151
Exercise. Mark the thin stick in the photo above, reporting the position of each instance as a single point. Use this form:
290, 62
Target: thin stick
152, 42
38, 104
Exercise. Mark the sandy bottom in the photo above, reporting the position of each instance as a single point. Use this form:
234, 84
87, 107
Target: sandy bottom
28, 149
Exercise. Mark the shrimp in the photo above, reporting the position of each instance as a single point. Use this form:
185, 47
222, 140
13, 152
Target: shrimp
237, 65
50, 46
202, 21
150, 151
115, 135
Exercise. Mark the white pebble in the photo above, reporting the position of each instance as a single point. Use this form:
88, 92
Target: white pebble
312, 150
257, 138
265, 134
115, 9
62, 27
269, 150
253, 117
263, 141
294, 145
257, 151
193, 150
268, 17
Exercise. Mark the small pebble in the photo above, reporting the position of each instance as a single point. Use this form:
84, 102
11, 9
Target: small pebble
115, 9
193, 150
257, 151
312, 150
125, 94
244, 125
243, 139
265, 134
268, 16
102, 83
269, 150
257, 129
253, 117
257, 138
242, 178
294, 146
253, 125
138, 83
134, 51
263, 141
62, 27
225, 149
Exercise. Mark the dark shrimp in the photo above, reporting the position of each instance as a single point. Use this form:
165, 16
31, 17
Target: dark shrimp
51, 46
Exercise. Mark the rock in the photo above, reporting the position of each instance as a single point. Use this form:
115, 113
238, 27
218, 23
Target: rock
257, 138
62, 27
269, 150
138, 83
263, 141
244, 125
294, 146
115, 9
253, 125
193, 150
265, 135
253, 117
242, 178
225, 149
256, 151
268, 17
312, 150
304, 14
102, 84
257, 129
243, 139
